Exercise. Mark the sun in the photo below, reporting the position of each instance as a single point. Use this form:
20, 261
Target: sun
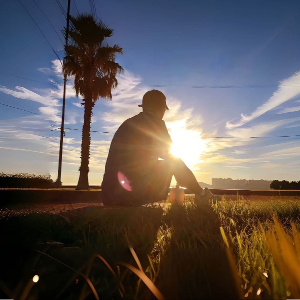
187, 144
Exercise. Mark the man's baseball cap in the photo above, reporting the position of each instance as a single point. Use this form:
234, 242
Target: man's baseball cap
153, 99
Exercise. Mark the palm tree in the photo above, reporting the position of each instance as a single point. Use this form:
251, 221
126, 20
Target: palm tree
94, 69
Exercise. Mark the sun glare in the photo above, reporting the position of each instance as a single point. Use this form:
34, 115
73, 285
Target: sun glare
187, 144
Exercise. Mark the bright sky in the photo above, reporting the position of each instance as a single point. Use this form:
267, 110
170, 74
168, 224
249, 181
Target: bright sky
228, 68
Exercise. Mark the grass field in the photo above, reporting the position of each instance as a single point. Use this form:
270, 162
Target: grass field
225, 250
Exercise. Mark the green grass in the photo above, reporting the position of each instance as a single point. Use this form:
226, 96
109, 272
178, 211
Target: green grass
180, 249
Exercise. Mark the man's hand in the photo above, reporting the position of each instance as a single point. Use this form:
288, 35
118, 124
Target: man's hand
205, 196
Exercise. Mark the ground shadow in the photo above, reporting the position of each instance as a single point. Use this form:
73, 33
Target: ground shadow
195, 265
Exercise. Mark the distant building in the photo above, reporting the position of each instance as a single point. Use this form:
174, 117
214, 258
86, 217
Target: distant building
228, 183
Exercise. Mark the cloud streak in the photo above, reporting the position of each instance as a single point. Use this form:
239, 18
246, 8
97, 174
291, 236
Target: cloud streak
289, 110
287, 89
260, 130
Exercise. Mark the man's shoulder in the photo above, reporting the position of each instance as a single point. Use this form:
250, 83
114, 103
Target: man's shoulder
143, 117
141, 120
128, 123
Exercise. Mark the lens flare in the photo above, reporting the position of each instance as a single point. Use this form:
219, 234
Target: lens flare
123, 180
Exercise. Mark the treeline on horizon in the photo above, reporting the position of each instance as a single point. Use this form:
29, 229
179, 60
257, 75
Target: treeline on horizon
25, 180
285, 185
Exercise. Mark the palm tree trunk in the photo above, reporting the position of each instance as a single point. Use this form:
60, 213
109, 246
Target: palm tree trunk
83, 182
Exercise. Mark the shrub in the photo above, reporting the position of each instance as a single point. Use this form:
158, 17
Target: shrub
285, 185
25, 180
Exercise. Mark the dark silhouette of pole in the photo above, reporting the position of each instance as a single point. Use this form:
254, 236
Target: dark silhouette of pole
62, 127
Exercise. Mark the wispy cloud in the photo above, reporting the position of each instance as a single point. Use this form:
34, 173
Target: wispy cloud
26, 150
260, 130
287, 89
125, 100
239, 152
293, 126
237, 167
23, 93
48, 97
270, 166
289, 110
56, 69
287, 152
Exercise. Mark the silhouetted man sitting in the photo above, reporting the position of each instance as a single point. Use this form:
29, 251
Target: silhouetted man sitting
139, 165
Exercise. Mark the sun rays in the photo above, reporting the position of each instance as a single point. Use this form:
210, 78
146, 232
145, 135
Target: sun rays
187, 144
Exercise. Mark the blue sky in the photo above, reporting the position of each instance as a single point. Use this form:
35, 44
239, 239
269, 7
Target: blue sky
228, 68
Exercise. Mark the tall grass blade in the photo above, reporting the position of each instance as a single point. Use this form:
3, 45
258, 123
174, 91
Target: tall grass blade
285, 256
133, 253
232, 265
83, 275
6, 289
145, 279
109, 268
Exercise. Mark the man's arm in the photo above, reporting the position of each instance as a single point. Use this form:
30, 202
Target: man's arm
164, 142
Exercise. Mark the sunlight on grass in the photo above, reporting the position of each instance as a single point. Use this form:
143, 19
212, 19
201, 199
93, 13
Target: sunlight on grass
266, 246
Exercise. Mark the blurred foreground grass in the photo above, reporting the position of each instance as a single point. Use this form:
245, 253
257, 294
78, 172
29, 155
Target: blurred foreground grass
265, 239
180, 249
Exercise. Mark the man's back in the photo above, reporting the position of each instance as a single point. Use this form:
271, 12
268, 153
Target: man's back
135, 148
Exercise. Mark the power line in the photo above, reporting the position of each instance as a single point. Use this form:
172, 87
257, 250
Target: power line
93, 9
40, 30
6, 74
76, 129
11, 106
212, 137
48, 21
76, 7
61, 8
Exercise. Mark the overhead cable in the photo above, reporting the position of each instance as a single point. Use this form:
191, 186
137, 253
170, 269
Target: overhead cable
48, 21
40, 31
93, 9
6, 74
11, 106
76, 7
61, 8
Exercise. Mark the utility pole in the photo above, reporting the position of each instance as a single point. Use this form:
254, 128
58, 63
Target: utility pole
62, 127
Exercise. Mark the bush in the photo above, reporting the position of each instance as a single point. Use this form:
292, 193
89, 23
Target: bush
285, 185
24, 180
